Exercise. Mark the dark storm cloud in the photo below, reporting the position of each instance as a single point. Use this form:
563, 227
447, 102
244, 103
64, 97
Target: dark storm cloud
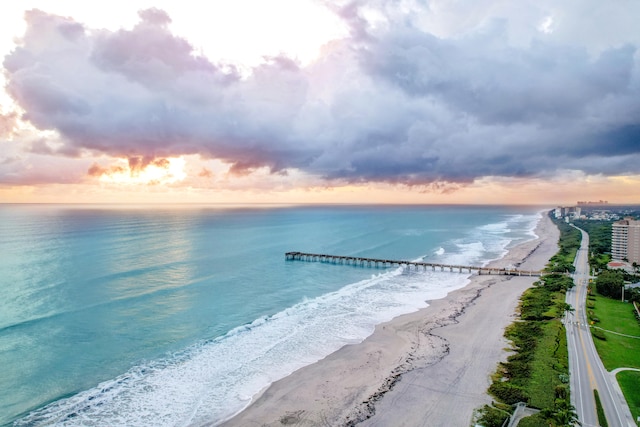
500, 85
389, 103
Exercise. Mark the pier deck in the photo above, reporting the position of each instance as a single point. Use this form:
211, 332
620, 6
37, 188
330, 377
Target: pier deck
375, 262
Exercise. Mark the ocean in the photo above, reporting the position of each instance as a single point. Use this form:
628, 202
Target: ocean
178, 315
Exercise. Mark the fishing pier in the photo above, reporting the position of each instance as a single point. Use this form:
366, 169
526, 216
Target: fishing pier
375, 262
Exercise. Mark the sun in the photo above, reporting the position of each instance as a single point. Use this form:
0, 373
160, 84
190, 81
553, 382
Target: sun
159, 171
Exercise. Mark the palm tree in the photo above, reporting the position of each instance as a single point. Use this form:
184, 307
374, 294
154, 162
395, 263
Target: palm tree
567, 418
563, 415
567, 308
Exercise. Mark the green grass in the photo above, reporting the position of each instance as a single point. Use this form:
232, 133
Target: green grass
536, 420
629, 381
616, 316
568, 243
548, 363
617, 351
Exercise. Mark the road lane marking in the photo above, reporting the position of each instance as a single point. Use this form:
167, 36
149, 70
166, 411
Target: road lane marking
592, 383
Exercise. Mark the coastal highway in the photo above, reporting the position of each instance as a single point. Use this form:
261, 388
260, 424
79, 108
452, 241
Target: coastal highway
586, 369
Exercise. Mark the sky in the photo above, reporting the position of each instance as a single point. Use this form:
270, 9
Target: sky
320, 101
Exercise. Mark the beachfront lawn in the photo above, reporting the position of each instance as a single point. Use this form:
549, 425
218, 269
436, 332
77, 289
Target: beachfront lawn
616, 316
629, 381
617, 351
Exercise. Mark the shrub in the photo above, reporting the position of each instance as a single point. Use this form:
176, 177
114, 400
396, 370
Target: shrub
561, 392
491, 417
508, 393
557, 282
536, 420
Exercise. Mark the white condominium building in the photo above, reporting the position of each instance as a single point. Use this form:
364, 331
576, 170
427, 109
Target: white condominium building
625, 240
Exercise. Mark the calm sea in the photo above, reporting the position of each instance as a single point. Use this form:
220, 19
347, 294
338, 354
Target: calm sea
164, 315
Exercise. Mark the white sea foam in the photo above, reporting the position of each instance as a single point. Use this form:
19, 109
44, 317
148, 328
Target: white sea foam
211, 381
496, 228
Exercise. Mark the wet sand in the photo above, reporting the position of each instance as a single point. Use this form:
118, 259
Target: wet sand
428, 368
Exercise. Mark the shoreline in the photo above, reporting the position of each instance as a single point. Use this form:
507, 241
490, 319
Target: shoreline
396, 375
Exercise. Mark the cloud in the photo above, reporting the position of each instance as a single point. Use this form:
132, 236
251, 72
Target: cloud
97, 170
7, 123
40, 169
392, 102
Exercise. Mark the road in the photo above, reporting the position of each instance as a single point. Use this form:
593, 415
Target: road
586, 369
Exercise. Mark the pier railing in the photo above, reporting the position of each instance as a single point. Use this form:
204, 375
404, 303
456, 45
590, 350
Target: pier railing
376, 262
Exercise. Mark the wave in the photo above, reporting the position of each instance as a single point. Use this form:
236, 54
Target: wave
497, 228
215, 379
212, 380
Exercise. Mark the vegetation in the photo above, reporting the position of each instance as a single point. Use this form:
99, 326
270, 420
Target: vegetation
537, 420
537, 372
629, 381
563, 414
600, 248
550, 368
602, 419
492, 416
616, 350
599, 242
608, 315
569, 244
609, 283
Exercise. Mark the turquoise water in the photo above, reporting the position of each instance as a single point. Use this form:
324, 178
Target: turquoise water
178, 315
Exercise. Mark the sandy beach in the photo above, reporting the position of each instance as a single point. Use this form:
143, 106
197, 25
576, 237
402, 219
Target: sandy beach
428, 368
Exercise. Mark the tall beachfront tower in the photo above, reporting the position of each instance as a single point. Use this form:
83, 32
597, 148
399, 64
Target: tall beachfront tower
625, 240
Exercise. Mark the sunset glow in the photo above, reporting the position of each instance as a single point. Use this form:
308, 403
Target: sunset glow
306, 101
168, 171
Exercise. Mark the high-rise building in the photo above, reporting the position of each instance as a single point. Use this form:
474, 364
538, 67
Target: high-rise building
625, 240
568, 212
